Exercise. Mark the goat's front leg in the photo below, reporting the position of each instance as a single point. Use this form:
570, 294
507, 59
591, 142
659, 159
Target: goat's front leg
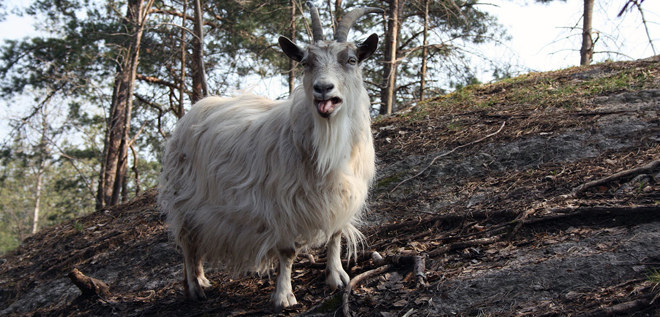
335, 276
283, 296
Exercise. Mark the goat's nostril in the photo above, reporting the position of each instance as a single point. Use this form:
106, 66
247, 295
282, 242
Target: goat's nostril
323, 88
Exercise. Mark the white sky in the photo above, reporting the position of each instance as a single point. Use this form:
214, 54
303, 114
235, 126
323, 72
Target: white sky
548, 37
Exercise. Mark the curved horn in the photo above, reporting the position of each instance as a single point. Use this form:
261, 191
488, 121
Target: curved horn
317, 29
349, 19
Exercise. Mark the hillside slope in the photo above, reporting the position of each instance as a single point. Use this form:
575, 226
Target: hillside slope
538, 195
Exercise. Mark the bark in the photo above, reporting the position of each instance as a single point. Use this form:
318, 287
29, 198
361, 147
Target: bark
37, 202
136, 171
179, 112
587, 50
200, 89
44, 152
113, 167
292, 64
425, 52
337, 15
390, 63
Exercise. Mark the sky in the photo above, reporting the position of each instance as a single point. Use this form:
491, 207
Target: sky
544, 37
548, 37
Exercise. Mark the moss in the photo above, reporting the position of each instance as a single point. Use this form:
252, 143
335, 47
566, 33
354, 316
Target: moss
653, 276
389, 180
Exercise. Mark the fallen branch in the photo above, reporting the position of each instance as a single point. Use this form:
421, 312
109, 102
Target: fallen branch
648, 168
346, 310
89, 286
447, 153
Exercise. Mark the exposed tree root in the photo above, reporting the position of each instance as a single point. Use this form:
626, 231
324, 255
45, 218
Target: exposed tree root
625, 308
89, 286
648, 168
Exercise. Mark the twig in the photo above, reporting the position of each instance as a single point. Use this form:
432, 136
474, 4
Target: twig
648, 168
354, 282
520, 221
447, 153
464, 244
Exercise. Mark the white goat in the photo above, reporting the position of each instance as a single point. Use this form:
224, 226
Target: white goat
247, 180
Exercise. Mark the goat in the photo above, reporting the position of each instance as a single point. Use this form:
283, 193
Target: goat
247, 180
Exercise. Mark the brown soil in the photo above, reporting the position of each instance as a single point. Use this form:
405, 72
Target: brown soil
498, 216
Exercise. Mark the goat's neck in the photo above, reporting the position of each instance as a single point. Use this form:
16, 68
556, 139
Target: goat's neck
330, 141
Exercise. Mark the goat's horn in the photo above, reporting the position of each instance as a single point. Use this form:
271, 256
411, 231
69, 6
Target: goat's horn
317, 29
349, 19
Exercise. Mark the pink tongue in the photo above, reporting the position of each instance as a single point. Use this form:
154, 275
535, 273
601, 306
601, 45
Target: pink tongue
325, 106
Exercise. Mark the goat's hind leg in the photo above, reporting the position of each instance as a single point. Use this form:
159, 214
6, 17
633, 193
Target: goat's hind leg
193, 269
283, 296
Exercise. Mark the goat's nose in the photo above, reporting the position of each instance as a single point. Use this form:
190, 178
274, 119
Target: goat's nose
323, 87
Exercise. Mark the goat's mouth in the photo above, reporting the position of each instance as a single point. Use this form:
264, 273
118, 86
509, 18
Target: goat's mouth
328, 106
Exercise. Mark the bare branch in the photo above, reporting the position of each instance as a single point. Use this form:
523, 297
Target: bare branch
155, 80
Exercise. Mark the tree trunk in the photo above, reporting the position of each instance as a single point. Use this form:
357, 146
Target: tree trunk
200, 89
390, 64
587, 49
425, 52
113, 167
292, 64
43, 154
136, 171
339, 12
182, 86
35, 215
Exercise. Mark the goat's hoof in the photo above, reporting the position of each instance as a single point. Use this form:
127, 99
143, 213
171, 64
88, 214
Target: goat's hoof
337, 279
203, 282
196, 294
284, 300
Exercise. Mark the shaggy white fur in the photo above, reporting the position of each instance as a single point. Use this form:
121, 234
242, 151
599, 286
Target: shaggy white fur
248, 180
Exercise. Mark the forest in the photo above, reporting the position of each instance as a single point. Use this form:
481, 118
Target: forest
104, 82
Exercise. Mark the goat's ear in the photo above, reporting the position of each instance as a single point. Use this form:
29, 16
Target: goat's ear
290, 49
368, 47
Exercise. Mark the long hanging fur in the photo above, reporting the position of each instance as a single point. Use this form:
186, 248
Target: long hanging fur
247, 180
247, 173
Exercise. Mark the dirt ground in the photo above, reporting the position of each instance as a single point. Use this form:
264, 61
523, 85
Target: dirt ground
534, 196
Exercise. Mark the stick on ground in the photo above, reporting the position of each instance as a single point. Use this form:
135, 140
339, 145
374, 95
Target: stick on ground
445, 154
648, 168
89, 286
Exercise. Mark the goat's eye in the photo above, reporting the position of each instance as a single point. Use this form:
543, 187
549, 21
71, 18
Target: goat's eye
351, 61
304, 63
